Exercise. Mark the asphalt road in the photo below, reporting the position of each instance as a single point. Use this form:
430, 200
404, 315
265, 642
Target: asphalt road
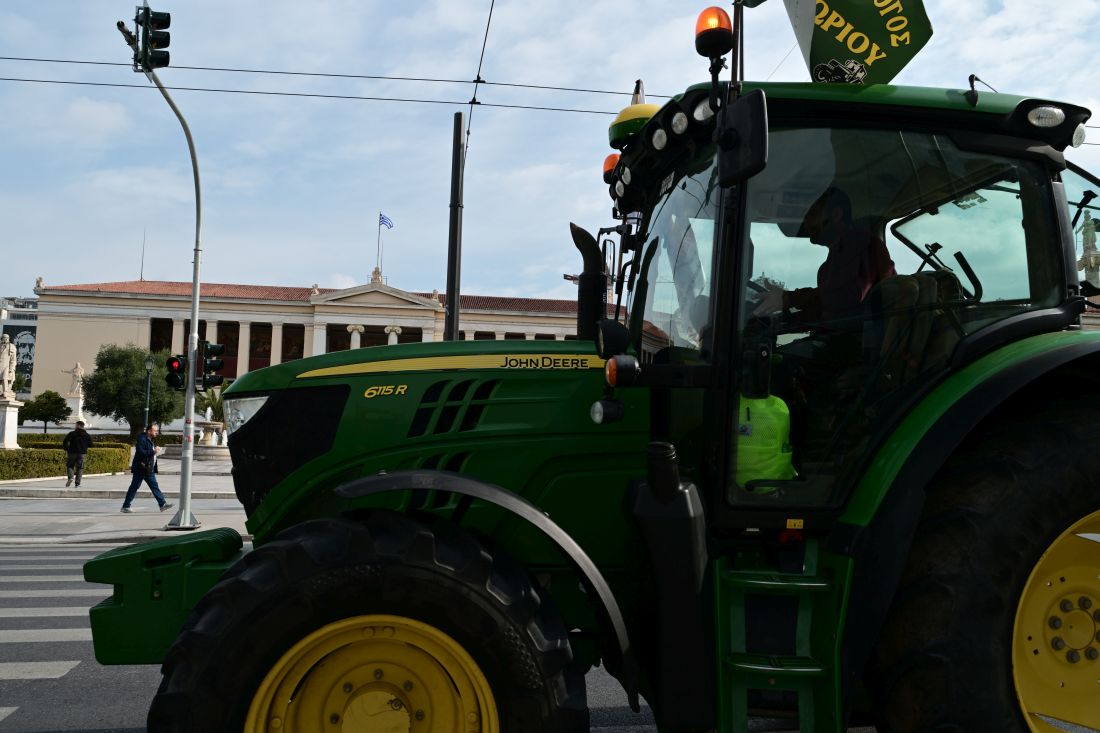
50, 681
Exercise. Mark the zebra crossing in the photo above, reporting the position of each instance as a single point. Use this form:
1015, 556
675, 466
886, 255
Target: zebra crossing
44, 629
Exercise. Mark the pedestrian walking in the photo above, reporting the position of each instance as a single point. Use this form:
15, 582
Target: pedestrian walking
144, 468
76, 445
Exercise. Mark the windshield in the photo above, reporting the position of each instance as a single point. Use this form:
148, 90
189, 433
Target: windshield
670, 306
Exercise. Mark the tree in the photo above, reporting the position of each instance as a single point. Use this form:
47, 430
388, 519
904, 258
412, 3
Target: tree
211, 398
116, 388
48, 407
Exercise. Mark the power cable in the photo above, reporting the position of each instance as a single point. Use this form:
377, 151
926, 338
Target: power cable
314, 95
329, 75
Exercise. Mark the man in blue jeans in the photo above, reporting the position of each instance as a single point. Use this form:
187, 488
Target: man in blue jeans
144, 468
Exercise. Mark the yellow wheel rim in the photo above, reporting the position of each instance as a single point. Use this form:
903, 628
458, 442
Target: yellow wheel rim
374, 674
1056, 638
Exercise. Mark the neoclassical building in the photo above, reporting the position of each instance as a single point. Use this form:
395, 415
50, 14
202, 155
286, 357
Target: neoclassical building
266, 324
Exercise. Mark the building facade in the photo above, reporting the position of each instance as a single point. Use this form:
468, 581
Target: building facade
19, 320
262, 325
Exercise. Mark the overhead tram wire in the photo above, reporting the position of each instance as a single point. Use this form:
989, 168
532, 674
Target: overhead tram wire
330, 75
477, 80
313, 95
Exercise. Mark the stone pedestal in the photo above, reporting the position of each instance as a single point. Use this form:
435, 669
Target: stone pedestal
76, 404
9, 423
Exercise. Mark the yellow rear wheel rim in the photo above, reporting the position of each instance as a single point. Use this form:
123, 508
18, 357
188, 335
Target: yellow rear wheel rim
374, 674
1056, 638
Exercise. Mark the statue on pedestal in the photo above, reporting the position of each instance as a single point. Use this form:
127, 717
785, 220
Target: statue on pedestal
76, 389
7, 368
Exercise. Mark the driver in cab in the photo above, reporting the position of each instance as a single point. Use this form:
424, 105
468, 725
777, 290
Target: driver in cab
857, 261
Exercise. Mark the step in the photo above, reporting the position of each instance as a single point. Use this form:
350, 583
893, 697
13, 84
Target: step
775, 582
787, 667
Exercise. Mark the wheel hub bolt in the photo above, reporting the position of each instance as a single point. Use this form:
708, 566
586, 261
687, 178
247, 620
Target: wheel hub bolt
1092, 654
419, 715
1058, 644
1096, 616
408, 686
347, 687
1066, 605
1085, 603
1055, 622
334, 718
377, 674
1073, 656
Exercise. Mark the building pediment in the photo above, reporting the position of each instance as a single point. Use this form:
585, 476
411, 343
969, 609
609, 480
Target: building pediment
375, 295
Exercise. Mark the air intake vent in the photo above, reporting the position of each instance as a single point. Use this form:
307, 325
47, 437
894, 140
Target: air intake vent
457, 411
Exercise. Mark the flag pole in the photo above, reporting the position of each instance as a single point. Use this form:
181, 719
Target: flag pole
378, 246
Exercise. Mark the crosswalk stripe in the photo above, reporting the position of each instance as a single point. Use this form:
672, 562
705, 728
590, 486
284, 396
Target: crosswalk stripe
35, 670
42, 579
5, 712
21, 636
43, 612
8, 568
101, 592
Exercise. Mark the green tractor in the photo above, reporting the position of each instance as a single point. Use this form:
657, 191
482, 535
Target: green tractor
829, 456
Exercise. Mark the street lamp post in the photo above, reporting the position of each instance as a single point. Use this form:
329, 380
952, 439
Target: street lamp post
148, 382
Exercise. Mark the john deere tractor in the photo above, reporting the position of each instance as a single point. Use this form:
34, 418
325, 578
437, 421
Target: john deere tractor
830, 456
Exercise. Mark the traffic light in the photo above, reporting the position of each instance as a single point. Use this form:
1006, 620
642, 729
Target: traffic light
177, 372
154, 38
210, 362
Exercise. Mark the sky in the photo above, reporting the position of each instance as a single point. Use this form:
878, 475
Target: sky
292, 186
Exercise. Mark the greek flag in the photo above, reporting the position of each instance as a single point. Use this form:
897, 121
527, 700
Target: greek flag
384, 221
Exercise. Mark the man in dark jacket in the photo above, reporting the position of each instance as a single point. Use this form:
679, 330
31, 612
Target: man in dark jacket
76, 445
144, 468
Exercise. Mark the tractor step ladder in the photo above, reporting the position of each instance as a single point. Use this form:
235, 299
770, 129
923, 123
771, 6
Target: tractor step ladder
812, 672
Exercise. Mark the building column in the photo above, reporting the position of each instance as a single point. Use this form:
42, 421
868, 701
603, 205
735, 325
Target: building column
244, 339
177, 336
468, 335
427, 335
307, 340
392, 332
318, 339
559, 337
356, 332
211, 332
276, 343
530, 335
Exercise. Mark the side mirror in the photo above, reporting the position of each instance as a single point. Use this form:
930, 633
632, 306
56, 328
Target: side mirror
612, 338
742, 137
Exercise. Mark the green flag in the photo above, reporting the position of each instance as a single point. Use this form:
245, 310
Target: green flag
858, 41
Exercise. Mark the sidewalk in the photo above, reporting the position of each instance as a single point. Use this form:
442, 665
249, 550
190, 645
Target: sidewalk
44, 510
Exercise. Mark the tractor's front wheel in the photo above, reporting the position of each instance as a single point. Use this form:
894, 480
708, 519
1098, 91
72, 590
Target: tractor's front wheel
996, 624
383, 626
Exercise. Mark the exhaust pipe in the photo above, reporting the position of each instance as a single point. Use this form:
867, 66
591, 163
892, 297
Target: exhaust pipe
591, 285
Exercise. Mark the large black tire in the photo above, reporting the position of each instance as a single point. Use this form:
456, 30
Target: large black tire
326, 570
944, 660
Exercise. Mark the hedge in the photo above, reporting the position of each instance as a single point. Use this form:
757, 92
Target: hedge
54, 445
26, 439
43, 462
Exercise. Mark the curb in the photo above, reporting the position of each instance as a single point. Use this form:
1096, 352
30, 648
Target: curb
25, 492
7, 482
121, 538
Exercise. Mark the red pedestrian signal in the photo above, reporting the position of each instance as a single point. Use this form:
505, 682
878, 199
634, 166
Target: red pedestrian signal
177, 372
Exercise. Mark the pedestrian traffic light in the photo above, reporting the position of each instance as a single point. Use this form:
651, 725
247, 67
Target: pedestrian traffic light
154, 38
177, 372
210, 362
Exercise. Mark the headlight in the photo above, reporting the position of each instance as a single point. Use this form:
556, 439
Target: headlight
702, 111
1046, 116
241, 410
1078, 136
659, 139
679, 123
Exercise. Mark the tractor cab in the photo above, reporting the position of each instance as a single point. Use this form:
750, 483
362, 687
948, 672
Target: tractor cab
893, 235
